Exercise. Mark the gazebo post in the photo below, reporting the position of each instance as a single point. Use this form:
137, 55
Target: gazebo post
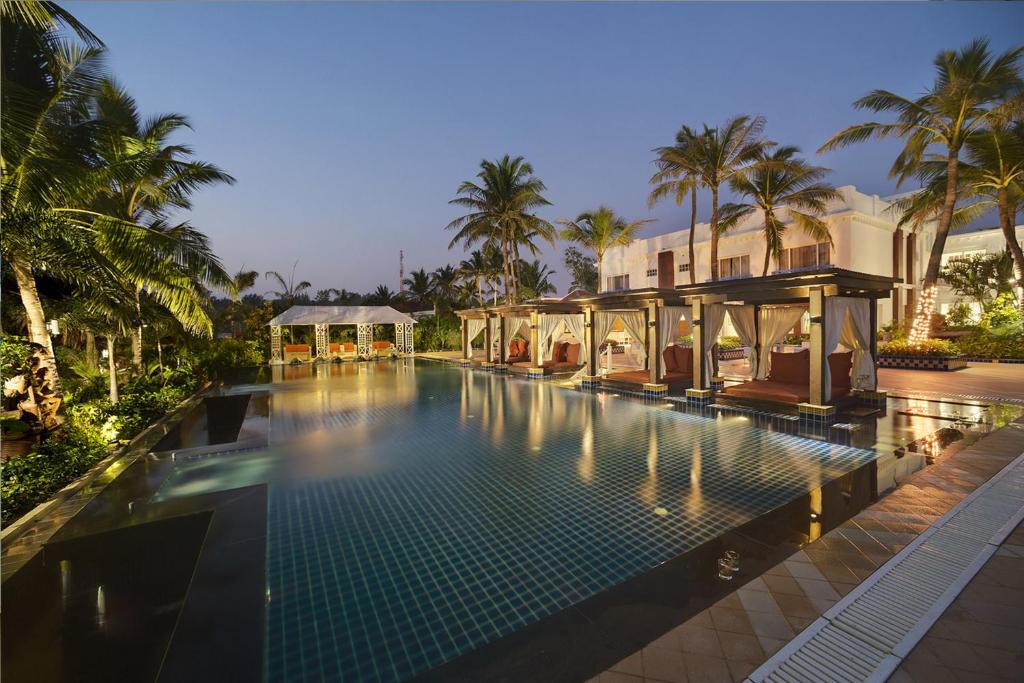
364, 339
592, 343
502, 341
322, 339
873, 344
700, 380
535, 356
466, 355
487, 338
816, 309
653, 357
275, 345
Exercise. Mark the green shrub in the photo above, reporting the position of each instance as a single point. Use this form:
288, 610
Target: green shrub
960, 315
983, 344
14, 352
729, 343
929, 347
1002, 313
227, 353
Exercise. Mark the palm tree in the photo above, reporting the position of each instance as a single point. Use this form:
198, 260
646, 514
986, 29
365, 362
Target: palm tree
960, 103
500, 206
535, 279
290, 289
418, 287
780, 179
145, 177
478, 269
46, 16
382, 296
678, 175
445, 285
721, 154
599, 231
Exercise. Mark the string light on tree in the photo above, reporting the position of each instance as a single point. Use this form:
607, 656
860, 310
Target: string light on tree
922, 327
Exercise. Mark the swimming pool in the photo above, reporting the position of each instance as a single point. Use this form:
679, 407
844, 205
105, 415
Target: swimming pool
416, 512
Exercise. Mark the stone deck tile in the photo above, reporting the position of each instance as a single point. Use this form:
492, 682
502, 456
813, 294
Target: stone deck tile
731, 638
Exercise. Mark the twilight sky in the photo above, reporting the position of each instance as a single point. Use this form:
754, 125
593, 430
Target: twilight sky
350, 126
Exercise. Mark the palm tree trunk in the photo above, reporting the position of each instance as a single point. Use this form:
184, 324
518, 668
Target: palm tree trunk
160, 354
1006, 225
505, 267
91, 355
137, 335
714, 233
600, 257
921, 328
112, 367
767, 247
37, 332
693, 229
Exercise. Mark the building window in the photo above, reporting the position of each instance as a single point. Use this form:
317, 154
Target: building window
684, 267
652, 272
955, 255
618, 282
737, 266
805, 258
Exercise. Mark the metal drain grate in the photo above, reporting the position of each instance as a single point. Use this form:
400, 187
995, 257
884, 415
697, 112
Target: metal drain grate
866, 635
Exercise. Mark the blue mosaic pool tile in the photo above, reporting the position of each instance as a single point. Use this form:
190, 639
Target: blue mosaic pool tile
501, 503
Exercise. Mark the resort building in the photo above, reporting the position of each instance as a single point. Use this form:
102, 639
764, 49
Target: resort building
971, 242
865, 235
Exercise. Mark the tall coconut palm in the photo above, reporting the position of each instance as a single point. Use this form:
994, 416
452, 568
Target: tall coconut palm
599, 231
479, 269
290, 289
382, 296
780, 179
722, 154
678, 176
968, 85
445, 285
535, 279
500, 206
145, 177
418, 287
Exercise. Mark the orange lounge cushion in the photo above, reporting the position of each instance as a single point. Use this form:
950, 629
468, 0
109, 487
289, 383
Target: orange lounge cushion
334, 348
381, 345
669, 355
791, 368
572, 354
684, 359
297, 348
644, 377
767, 390
349, 347
839, 365
558, 351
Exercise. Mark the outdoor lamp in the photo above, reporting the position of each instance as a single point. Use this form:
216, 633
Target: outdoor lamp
53, 327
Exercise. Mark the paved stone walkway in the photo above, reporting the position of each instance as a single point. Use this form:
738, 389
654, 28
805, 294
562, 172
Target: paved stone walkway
727, 641
983, 381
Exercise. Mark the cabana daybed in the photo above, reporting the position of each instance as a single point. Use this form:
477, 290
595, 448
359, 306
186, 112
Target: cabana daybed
789, 379
678, 375
320, 318
293, 352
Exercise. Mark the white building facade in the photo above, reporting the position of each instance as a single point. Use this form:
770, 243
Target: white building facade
865, 239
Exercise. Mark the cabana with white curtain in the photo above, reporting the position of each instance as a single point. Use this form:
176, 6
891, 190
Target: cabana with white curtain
322, 317
537, 338
842, 306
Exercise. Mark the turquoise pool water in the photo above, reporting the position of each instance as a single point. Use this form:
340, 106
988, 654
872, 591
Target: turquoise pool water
418, 511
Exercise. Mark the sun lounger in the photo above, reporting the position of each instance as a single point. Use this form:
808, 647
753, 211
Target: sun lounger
299, 352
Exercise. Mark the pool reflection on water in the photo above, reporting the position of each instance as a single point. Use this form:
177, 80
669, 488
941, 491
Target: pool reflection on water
416, 512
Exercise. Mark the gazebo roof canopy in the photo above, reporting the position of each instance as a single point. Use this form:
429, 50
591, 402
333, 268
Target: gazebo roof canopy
340, 315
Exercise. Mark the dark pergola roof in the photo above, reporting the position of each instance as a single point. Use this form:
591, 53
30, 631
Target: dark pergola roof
784, 288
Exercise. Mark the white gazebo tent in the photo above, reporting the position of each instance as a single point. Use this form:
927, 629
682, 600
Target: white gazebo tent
322, 317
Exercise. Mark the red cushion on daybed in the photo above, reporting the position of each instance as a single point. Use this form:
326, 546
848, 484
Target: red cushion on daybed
684, 359
558, 351
839, 365
669, 354
296, 348
791, 368
572, 354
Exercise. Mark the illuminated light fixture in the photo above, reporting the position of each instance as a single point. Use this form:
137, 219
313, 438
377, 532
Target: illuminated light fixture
923, 320
814, 516
53, 327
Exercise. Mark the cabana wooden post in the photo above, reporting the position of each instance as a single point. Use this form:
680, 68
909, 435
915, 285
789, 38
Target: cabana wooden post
322, 317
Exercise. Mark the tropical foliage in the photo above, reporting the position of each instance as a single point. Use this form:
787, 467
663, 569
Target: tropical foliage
973, 93
599, 231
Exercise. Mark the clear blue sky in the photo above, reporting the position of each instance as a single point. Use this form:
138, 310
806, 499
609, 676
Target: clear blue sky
350, 126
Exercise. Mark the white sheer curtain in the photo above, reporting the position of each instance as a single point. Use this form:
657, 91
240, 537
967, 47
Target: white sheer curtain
668, 324
835, 316
492, 324
856, 335
604, 321
474, 326
574, 322
743, 320
776, 321
635, 323
713, 317
547, 325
